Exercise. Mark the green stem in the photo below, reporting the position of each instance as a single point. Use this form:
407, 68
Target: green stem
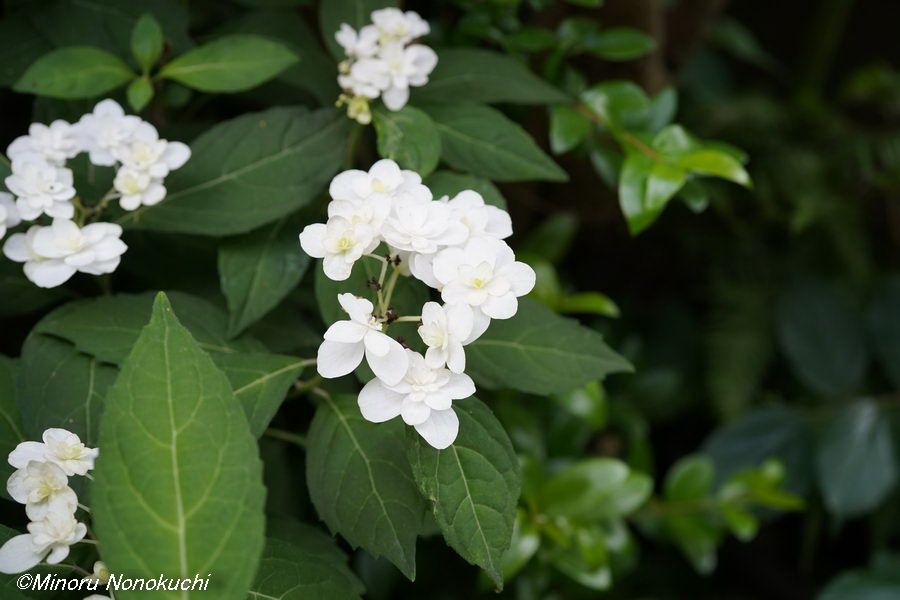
625, 137
392, 283
408, 319
286, 436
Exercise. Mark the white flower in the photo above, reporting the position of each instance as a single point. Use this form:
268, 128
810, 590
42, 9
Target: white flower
41, 187
395, 25
482, 220
422, 227
55, 143
105, 130
406, 67
60, 447
339, 243
355, 45
137, 188
48, 539
100, 573
347, 341
42, 487
9, 214
444, 330
53, 254
368, 196
423, 399
366, 77
144, 151
483, 274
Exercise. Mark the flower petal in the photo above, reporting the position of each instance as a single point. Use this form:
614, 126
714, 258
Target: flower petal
460, 386
346, 332
27, 451
336, 359
440, 429
414, 413
378, 403
501, 307
19, 554
390, 367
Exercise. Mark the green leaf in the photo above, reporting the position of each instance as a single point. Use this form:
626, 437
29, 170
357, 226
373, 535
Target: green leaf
717, 163
551, 239
473, 486
691, 478
139, 93
260, 381
232, 63
258, 270
147, 41
526, 541
620, 43
633, 200
822, 336
482, 141
361, 484
297, 570
870, 584
620, 104
355, 13
663, 183
448, 183
61, 387
593, 490
71, 73
482, 76
11, 430
568, 128
855, 460
539, 352
178, 488
884, 329
409, 137
248, 172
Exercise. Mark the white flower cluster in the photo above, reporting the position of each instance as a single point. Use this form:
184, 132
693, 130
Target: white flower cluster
454, 246
42, 185
41, 483
383, 61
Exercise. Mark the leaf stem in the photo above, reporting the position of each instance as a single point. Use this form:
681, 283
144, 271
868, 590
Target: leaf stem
625, 137
392, 283
408, 319
287, 436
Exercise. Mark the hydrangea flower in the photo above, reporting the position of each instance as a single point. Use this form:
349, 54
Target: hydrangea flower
358, 45
138, 188
41, 188
60, 447
339, 243
54, 143
422, 227
47, 540
445, 329
394, 25
105, 130
9, 214
42, 487
423, 398
406, 67
481, 219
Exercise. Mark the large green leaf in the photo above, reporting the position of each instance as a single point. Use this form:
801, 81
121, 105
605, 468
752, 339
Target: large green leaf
178, 487
258, 270
483, 141
249, 171
409, 137
539, 352
61, 387
11, 430
473, 486
361, 484
299, 570
823, 338
855, 460
355, 13
71, 73
232, 63
881, 581
474, 75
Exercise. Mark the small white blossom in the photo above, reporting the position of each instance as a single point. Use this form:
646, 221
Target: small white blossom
482, 220
144, 151
406, 67
366, 77
138, 188
53, 254
42, 487
395, 25
347, 341
100, 573
9, 214
41, 188
368, 197
55, 143
357, 45
60, 447
105, 130
423, 398
48, 539
422, 227
339, 243
444, 330
483, 274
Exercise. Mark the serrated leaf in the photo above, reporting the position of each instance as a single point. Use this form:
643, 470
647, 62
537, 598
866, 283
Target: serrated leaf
539, 352
473, 486
178, 487
72, 73
448, 183
232, 63
258, 270
296, 570
361, 484
248, 172
409, 137
482, 141
483, 76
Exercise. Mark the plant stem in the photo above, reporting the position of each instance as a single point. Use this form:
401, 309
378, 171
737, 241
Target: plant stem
286, 436
392, 283
307, 362
408, 319
624, 137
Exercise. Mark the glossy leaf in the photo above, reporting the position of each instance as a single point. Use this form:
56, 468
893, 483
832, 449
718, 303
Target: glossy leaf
409, 137
147, 41
71, 73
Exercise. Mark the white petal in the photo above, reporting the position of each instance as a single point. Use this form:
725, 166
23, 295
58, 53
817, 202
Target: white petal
435, 357
460, 320
414, 413
456, 357
480, 323
16, 488
377, 343
460, 386
501, 307
440, 429
336, 359
312, 240
395, 97
346, 332
19, 554
377, 403
391, 367
446, 264
27, 451
57, 554
176, 154
521, 277
48, 273
17, 248
336, 268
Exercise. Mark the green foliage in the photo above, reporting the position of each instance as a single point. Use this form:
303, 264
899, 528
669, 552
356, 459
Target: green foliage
296, 569
71, 73
409, 137
180, 470
147, 42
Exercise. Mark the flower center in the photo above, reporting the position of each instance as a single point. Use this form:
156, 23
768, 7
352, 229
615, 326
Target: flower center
378, 186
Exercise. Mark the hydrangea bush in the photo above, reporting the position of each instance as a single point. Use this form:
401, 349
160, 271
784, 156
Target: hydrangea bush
366, 280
